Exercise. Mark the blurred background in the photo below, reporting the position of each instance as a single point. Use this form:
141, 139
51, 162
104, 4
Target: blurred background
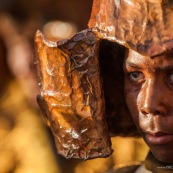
26, 144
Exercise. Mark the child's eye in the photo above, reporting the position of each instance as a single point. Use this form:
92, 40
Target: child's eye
170, 79
137, 76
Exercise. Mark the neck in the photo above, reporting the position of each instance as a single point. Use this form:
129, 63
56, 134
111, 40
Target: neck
152, 164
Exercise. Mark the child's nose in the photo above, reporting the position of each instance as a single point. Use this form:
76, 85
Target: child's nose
152, 99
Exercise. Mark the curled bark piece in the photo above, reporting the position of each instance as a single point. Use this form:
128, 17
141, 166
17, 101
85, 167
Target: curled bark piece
72, 96
142, 25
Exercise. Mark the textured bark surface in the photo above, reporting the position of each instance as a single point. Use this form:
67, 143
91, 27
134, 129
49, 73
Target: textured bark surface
143, 25
71, 97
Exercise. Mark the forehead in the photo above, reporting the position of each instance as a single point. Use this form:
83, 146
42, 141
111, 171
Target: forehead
133, 57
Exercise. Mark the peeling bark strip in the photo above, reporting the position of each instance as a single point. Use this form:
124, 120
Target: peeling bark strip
71, 97
142, 25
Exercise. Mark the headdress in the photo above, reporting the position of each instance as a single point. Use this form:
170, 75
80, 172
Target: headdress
81, 79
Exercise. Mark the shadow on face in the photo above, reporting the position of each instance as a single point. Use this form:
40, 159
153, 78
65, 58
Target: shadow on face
111, 59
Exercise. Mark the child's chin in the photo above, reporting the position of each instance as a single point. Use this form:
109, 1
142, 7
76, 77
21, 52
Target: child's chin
164, 156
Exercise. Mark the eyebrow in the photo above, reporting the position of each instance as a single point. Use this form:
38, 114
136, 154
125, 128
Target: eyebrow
133, 65
163, 68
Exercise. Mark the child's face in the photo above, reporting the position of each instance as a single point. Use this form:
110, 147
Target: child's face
149, 96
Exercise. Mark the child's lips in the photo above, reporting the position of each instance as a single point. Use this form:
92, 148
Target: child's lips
158, 138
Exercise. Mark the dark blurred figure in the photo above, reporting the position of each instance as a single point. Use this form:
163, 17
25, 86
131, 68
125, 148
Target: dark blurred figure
24, 141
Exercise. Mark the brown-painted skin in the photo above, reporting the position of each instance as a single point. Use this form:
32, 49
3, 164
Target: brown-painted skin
149, 96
